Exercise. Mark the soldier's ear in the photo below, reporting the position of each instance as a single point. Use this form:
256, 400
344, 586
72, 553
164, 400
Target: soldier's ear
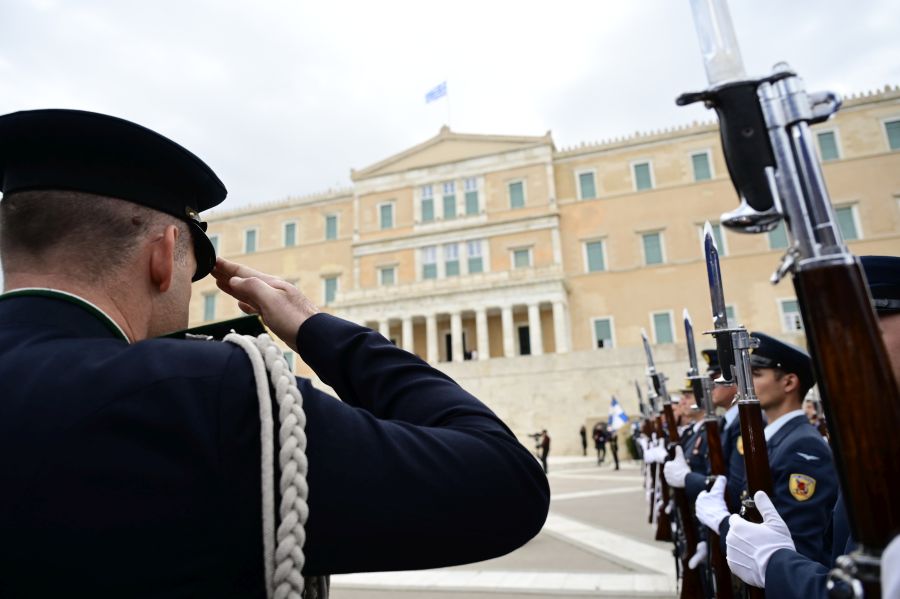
791, 382
162, 258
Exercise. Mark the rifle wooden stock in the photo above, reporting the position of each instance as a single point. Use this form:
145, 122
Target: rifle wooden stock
652, 492
756, 462
717, 468
691, 585
663, 525
860, 398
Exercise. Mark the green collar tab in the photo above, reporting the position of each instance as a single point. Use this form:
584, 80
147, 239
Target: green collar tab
65, 296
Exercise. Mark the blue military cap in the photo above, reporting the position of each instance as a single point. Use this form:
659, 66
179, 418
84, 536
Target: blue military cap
772, 353
883, 276
74, 150
712, 360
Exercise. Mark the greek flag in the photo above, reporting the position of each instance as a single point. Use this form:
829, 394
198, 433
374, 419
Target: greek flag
617, 416
438, 92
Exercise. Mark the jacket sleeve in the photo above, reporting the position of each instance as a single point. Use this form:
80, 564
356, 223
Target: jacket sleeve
790, 575
694, 484
408, 471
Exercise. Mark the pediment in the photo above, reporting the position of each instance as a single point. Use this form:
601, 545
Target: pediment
447, 147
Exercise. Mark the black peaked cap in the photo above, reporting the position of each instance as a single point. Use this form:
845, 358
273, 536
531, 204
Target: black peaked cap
883, 277
772, 353
95, 153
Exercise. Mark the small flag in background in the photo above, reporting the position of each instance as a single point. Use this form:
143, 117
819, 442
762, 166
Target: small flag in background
438, 92
617, 416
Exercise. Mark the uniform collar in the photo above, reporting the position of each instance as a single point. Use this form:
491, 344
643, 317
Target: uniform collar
104, 318
774, 427
730, 414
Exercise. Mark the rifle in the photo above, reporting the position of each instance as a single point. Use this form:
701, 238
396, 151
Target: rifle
702, 386
663, 525
690, 579
765, 128
647, 431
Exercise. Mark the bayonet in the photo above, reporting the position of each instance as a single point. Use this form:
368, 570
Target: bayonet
724, 347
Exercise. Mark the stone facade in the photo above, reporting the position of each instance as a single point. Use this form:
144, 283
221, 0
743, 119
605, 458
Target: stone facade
527, 272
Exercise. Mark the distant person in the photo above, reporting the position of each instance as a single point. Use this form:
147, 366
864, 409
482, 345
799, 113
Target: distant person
599, 436
614, 447
583, 433
545, 448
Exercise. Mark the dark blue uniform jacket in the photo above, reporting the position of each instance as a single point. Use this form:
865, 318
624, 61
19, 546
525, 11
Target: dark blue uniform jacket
734, 462
134, 470
798, 453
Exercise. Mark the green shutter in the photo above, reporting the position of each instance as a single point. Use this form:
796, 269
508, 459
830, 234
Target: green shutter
729, 314
214, 240
387, 216
662, 324
289, 358
387, 276
520, 258
290, 235
595, 258
475, 265
652, 249
586, 183
642, 178
330, 289
451, 268
778, 237
701, 167
846, 223
427, 210
720, 243
828, 145
893, 133
449, 207
331, 227
471, 203
209, 306
429, 271
250, 241
603, 332
516, 195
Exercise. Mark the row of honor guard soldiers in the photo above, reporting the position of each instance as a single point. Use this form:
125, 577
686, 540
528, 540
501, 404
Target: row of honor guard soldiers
805, 527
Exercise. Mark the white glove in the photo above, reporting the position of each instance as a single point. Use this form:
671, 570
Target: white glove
751, 545
710, 506
699, 556
642, 441
677, 469
656, 454
669, 507
890, 570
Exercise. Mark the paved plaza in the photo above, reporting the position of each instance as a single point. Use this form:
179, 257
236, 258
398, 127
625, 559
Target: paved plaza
596, 542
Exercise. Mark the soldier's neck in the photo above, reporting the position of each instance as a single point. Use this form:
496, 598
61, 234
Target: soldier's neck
775, 412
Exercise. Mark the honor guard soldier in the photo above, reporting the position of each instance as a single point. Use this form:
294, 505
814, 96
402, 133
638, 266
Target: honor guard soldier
130, 466
771, 556
803, 474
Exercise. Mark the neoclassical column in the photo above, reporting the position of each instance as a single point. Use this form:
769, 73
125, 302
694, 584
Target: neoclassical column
535, 335
407, 336
481, 334
431, 340
456, 343
509, 342
384, 327
560, 327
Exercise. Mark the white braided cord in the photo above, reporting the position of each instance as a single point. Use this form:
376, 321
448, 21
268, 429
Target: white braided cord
284, 562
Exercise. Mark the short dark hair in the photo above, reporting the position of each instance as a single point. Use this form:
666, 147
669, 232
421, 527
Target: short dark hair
100, 233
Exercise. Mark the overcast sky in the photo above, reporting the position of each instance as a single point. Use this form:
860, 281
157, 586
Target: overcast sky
283, 97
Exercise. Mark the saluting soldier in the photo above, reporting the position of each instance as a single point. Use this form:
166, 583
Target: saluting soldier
803, 474
130, 466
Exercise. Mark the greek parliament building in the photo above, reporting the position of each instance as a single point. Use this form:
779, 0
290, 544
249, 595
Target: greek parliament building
527, 271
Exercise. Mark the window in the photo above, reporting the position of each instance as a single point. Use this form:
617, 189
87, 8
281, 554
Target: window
427, 204
249, 241
209, 306
892, 128
643, 176
451, 260
331, 226
847, 222
586, 188
449, 200
290, 234
662, 327
828, 148
521, 258
387, 275
476, 264
524, 340
471, 188
653, 252
289, 358
791, 320
603, 336
778, 237
429, 262
331, 285
386, 215
731, 315
702, 169
516, 194
214, 240
595, 260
